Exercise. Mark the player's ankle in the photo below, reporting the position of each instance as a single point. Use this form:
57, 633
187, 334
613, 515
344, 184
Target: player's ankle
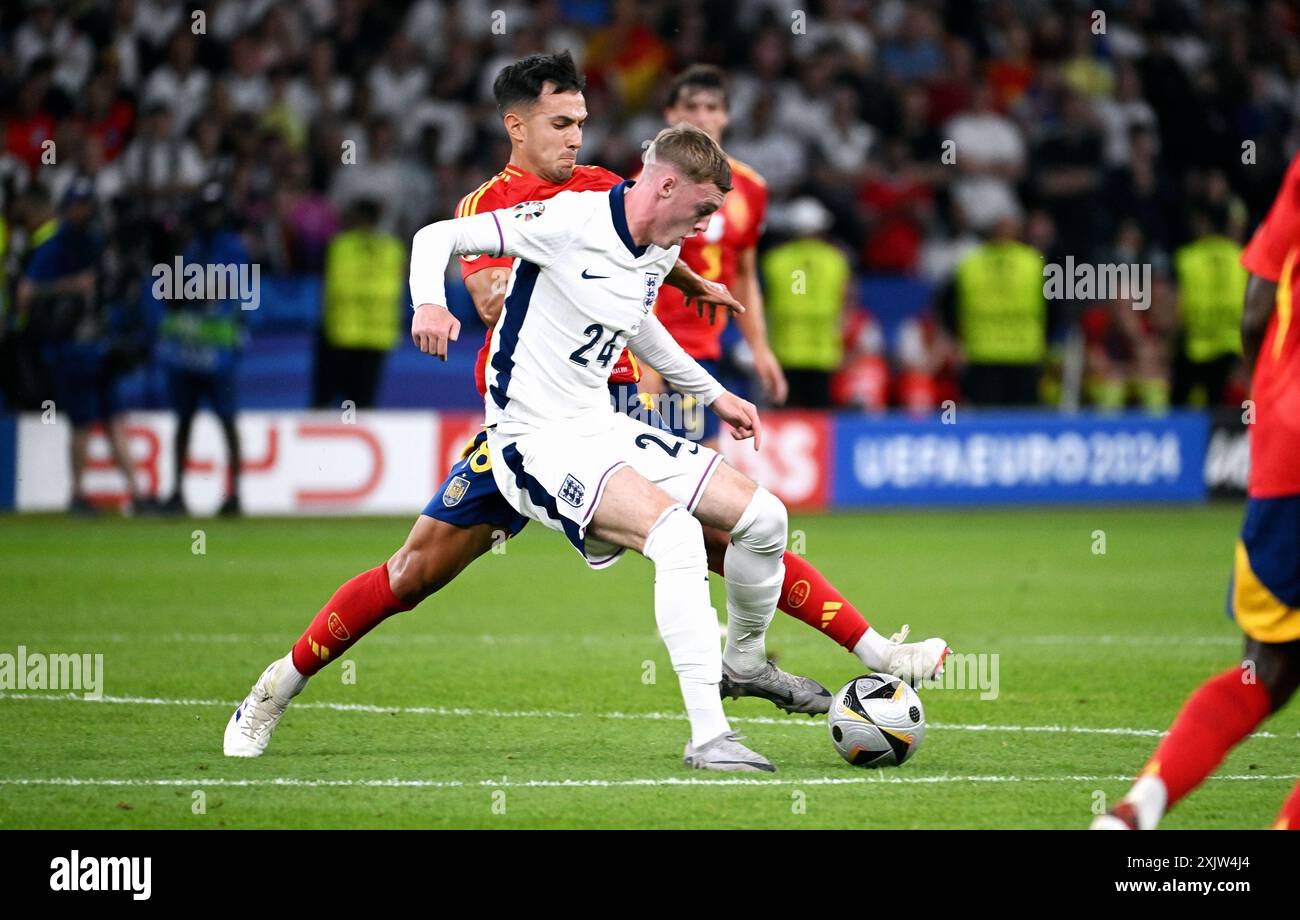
744, 664
1149, 799
873, 649
289, 681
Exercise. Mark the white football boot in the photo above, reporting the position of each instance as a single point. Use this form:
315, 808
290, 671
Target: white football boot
726, 754
914, 661
249, 730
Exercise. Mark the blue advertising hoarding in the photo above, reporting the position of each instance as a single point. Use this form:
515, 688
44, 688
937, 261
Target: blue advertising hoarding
1018, 457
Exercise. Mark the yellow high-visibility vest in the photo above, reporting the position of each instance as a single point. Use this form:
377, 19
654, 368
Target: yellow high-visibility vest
1001, 311
805, 283
1211, 292
364, 275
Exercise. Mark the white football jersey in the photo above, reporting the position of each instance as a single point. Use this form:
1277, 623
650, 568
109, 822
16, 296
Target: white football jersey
579, 290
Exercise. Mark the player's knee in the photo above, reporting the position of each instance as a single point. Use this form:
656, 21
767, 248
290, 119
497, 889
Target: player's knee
1277, 667
676, 541
763, 525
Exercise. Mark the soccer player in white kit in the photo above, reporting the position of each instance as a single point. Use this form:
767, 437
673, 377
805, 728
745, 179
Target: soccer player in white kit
588, 271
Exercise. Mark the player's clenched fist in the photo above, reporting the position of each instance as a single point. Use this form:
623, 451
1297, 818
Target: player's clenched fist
432, 328
741, 417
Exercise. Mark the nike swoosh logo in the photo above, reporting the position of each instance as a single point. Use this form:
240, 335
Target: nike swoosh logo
592, 277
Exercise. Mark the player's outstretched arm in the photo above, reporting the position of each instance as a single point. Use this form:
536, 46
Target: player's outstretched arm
535, 231
753, 326
433, 327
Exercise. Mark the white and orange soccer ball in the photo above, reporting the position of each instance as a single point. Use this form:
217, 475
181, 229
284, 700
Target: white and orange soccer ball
876, 721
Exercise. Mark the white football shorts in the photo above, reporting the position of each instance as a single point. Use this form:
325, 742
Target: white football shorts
556, 475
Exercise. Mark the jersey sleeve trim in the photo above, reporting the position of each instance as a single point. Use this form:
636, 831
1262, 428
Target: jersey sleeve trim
501, 240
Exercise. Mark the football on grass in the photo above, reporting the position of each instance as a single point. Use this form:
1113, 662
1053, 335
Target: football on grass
876, 721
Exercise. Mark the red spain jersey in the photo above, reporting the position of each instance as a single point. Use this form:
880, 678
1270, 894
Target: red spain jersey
1274, 254
506, 189
715, 255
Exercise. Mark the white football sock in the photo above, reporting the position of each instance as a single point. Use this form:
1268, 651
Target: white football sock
686, 619
872, 648
1148, 798
286, 681
754, 573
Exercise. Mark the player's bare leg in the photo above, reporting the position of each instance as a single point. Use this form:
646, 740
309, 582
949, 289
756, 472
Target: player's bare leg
1220, 714
78, 448
755, 522
115, 432
636, 514
434, 553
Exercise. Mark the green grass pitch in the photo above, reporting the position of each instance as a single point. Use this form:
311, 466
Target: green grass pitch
534, 693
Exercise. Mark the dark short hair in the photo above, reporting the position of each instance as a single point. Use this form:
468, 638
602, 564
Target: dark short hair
522, 81
697, 76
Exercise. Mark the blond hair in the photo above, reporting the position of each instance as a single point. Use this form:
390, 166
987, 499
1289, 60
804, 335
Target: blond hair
692, 153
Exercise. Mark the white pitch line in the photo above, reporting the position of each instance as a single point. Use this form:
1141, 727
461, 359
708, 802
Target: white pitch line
463, 712
876, 778
585, 639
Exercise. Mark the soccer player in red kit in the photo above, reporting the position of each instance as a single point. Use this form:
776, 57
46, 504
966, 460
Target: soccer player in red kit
1264, 595
543, 111
727, 253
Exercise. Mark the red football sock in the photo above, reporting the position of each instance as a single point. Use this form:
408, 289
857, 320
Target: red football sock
357, 607
806, 595
1224, 710
1288, 819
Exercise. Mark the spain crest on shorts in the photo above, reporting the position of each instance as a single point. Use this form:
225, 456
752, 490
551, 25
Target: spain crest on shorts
456, 490
572, 491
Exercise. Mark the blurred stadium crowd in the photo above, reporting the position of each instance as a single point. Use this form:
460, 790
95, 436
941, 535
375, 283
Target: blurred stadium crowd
936, 152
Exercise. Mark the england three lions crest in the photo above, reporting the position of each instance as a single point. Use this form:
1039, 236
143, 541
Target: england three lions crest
572, 491
651, 291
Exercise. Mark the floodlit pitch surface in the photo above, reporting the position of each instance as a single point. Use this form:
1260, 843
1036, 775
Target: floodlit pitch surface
534, 693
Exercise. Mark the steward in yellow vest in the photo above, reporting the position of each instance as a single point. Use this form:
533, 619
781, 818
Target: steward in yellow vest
1211, 290
999, 312
805, 286
365, 277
